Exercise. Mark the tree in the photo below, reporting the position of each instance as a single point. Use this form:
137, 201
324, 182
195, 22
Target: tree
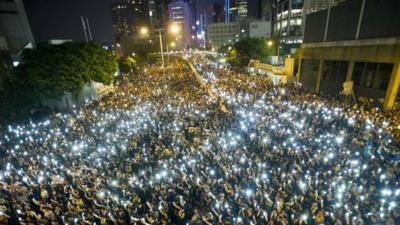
49, 72
54, 70
127, 64
246, 49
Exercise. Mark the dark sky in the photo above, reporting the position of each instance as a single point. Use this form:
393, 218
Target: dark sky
61, 19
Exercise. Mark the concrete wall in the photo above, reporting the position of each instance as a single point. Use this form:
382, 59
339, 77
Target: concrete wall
309, 73
380, 19
355, 50
355, 19
315, 26
343, 21
90, 93
333, 76
382, 57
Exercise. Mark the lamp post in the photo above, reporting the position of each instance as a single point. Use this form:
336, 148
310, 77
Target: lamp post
271, 43
174, 28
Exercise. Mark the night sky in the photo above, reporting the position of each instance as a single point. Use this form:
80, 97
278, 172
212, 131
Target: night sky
61, 19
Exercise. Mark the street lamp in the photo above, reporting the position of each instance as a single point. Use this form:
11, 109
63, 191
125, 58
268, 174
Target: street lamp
173, 28
144, 31
271, 43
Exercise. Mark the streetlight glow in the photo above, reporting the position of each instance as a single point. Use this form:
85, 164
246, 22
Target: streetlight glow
144, 30
174, 28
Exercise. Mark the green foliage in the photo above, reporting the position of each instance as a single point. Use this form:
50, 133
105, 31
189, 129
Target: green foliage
127, 64
48, 72
56, 69
244, 50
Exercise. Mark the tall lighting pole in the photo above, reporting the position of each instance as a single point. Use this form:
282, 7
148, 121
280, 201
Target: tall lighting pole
162, 50
174, 28
271, 43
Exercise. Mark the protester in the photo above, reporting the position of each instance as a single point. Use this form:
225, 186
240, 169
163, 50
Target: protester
160, 151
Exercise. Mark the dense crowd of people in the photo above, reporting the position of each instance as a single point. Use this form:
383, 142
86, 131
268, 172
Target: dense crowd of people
159, 150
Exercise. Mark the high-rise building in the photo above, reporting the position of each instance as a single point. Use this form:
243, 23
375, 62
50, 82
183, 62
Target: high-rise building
227, 10
231, 10
5, 60
242, 9
193, 10
180, 15
140, 14
152, 13
287, 19
311, 6
120, 23
235, 10
14, 25
129, 15
218, 13
264, 10
159, 11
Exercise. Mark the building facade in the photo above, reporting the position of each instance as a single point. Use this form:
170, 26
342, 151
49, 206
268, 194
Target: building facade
14, 25
180, 14
129, 16
311, 6
120, 23
260, 29
5, 59
220, 34
347, 42
264, 10
235, 10
287, 23
159, 12
242, 9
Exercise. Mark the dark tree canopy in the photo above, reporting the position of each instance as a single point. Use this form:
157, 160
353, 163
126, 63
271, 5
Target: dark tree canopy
54, 70
127, 64
246, 49
50, 71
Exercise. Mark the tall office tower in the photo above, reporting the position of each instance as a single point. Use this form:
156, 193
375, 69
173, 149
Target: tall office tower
287, 20
128, 16
14, 25
264, 10
120, 21
180, 14
152, 13
161, 13
5, 60
138, 15
241, 9
227, 11
193, 9
218, 13
235, 10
